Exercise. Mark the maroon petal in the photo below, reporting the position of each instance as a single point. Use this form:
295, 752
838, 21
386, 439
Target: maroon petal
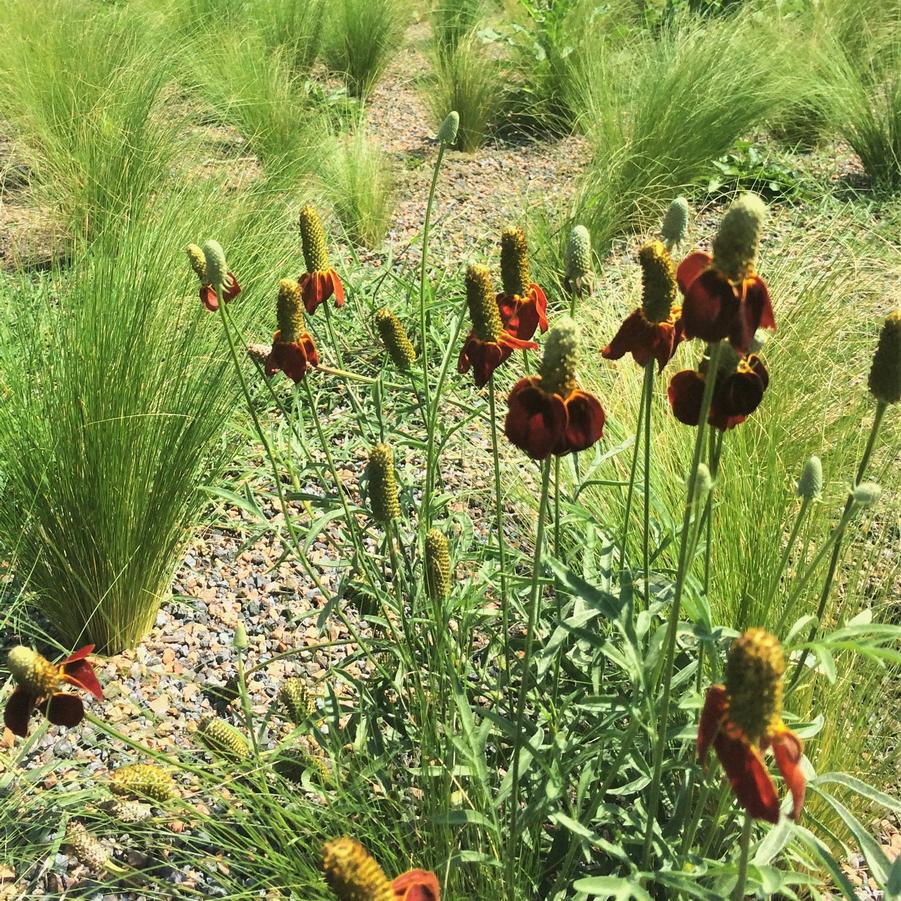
233, 289
209, 298
748, 776
316, 287
81, 674
17, 712
337, 288
539, 303
64, 709
536, 420
715, 706
80, 654
686, 394
632, 333
711, 307
787, 750
691, 267
584, 423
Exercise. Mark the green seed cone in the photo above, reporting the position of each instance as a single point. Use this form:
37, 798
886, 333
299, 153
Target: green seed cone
224, 739
885, 372
483, 311
515, 273
395, 339
810, 485
658, 281
561, 355
216, 268
33, 672
86, 848
437, 565
130, 811
738, 239
197, 261
383, 484
866, 494
447, 133
312, 236
578, 256
143, 780
297, 701
353, 874
675, 222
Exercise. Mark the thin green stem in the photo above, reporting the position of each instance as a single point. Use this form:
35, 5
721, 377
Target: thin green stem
648, 394
669, 650
783, 561
631, 490
499, 523
837, 548
744, 850
534, 596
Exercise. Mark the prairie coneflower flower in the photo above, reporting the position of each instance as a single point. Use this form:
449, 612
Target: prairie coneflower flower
522, 304
208, 263
653, 330
37, 688
724, 296
489, 343
885, 372
320, 281
549, 413
293, 349
740, 384
354, 875
743, 717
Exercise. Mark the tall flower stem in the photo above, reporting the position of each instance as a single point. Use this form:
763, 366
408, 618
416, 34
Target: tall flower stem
665, 677
534, 596
499, 523
837, 548
786, 556
341, 370
648, 396
715, 452
739, 892
423, 265
634, 468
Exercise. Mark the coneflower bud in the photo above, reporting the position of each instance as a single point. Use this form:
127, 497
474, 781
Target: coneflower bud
483, 311
382, 484
515, 273
866, 493
561, 355
224, 739
437, 565
395, 339
447, 133
738, 239
703, 483
86, 848
143, 780
578, 257
130, 811
754, 670
810, 485
197, 261
675, 223
312, 236
33, 672
298, 703
658, 281
289, 311
352, 873
239, 641
216, 268
885, 372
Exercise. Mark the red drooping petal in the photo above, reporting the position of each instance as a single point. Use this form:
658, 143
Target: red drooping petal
337, 288
309, 348
539, 303
711, 307
787, 749
292, 357
416, 885
644, 340
208, 298
536, 420
716, 704
738, 395
233, 289
691, 267
316, 287
64, 709
686, 394
584, 423
17, 712
81, 674
756, 312
748, 776
80, 654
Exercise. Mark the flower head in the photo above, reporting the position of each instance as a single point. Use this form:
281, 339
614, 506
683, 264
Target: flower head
394, 337
354, 875
724, 296
578, 260
208, 263
37, 688
653, 331
223, 739
293, 349
675, 223
810, 484
740, 385
489, 343
550, 414
743, 717
320, 281
382, 484
297, 701
86, 848
885, 372
143, 780
437, 565
447, 132
522, 303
